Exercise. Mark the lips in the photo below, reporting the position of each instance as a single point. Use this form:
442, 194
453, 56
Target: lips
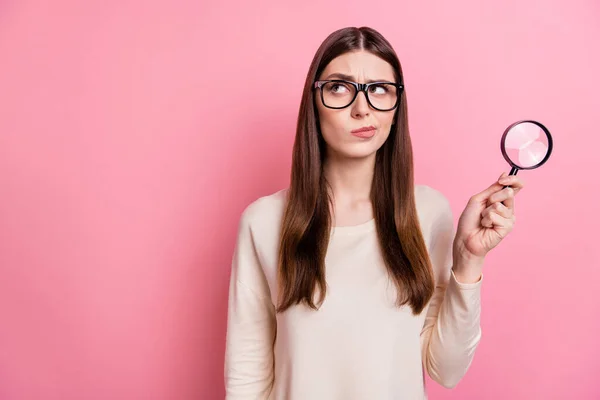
364, 132
364, 129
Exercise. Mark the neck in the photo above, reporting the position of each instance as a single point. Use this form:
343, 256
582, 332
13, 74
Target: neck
350, 178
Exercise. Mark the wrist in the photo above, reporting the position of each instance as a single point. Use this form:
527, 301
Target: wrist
468, 270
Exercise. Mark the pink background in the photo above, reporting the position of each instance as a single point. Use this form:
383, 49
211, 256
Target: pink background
133, 134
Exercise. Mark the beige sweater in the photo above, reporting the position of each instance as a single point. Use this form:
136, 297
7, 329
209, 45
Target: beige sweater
358, 345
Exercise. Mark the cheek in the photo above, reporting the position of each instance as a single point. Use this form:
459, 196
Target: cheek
385, 123
386, 119
333, 122
382, 138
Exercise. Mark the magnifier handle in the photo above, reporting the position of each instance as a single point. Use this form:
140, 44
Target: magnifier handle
513, 171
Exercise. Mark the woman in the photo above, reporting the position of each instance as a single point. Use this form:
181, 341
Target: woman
350, 283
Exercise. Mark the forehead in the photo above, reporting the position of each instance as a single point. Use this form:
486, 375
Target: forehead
362, 65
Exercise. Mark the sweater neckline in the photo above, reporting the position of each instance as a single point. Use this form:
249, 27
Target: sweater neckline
353, 229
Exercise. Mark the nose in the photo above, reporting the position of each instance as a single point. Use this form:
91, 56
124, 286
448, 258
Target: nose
360, 107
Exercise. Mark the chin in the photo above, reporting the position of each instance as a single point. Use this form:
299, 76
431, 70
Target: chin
363, 150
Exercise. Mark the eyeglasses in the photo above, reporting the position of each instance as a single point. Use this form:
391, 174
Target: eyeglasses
382, 96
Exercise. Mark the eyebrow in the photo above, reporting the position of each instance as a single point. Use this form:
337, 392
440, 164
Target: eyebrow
345, 77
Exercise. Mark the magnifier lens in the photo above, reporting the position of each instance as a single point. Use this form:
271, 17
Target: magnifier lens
526, 144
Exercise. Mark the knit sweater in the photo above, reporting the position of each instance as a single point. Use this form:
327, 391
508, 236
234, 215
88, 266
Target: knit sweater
359, 345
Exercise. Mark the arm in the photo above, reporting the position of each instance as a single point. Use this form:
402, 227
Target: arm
250, 324
451, 331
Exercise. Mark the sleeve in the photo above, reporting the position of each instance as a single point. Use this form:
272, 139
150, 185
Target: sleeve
250, 324
451, 330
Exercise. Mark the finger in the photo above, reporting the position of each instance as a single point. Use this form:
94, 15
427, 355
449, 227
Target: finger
499, 209
483, 196
509, 202
502, 196
513, 181
493, 220
504, 180
487, 222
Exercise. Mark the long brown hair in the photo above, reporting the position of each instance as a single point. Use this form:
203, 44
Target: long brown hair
306, 220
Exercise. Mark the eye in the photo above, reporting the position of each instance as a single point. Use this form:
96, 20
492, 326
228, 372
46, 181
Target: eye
378, 89
338, 88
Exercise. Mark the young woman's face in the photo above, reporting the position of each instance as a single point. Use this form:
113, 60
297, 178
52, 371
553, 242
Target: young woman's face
337, 124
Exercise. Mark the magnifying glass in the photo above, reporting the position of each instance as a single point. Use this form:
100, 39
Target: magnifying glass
526, 144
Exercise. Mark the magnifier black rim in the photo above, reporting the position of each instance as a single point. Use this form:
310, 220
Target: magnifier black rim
550, 144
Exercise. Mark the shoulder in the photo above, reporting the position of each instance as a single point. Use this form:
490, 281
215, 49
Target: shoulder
259, 227
264, 208
434, 210
262, 218
428, 196
431, 200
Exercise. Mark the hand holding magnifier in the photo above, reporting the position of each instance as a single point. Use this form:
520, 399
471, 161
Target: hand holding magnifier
483, 224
